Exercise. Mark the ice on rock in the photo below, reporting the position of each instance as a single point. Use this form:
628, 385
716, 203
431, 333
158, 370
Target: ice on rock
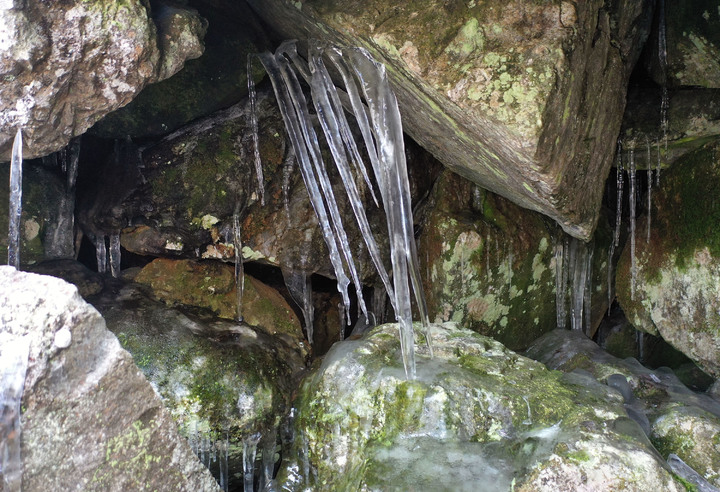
376, 113
14, 353
16, 163
239, 267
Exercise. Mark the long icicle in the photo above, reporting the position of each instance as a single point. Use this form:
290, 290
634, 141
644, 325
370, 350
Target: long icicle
633, 266
649, 190
15, 201
292, 124
239, 266
618, 222
252, 97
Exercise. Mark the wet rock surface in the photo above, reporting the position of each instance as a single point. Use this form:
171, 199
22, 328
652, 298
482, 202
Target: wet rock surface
90, 420
477, 412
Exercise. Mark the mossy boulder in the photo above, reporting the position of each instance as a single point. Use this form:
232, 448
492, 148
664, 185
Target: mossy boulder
523, 98
211, 285
676, 419
222, 382
676, 294
42, 193
692, 31
511, 423
490, 265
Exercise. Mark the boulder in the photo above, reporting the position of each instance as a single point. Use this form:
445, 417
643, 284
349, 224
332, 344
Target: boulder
692, 32
491, 265
676, 292
90, 419
204, 85
523, 98
223, 382
677, 421
476, 414
66, 65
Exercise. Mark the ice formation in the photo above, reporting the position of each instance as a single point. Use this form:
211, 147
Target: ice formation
376, 113
573, 282
16, 163
14, 353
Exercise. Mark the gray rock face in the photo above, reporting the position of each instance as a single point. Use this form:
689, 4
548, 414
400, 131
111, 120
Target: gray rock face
91, 421
522, 98
477, 414
64, 65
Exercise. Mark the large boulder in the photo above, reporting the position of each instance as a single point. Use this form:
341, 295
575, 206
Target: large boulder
491, 265
90, 419
223, 382
692, 42
65, 65
477, 414
522, 98
676, 292
677, 420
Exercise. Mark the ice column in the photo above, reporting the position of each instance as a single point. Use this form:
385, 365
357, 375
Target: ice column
299, 284
115, 255
632, 192
16, 162
14, 353
619, 173
252, 96
249, 451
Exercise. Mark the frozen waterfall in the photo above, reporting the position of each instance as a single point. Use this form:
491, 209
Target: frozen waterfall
369, 98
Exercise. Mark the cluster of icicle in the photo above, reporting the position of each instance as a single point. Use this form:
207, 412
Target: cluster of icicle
573, 282
372, 103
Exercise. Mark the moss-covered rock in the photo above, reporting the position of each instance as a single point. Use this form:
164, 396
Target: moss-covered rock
676, 293
211, 285
676, 419
692, 31
222, 382
508, 421
490, 265
522, 98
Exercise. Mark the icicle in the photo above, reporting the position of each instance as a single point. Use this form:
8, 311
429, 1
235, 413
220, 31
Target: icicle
267, 446
288, 165
641, 345
657, 170
101, 254
299, 284
344, 317
527, 421
618, 223
115, 255
15, 201
579, 275
223, 465
249, 450
13, 367
252, 97
295, 115
662, 61
239, 266
488, 273
587, 290
561, 280
633, 266
649, 190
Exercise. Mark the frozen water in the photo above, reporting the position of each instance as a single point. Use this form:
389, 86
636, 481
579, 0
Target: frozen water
249, 451
252, 96
573, 282
60, 236
14, 353
114, 254
379, 121
632, 198
649, 189
239, 267
299, 284
16, 163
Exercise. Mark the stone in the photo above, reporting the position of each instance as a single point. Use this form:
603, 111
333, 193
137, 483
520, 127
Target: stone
223, 382
678, 421
66, 65
522, 98
676, 292
693, 45
71, 271
490, 265
477, 413
211, 285
90, 419
214, 81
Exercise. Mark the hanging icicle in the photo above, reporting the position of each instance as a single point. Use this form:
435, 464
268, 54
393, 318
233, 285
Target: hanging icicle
16, 162
619, 173
252, 97
649, 191
632, 198
239, 266
381, 129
